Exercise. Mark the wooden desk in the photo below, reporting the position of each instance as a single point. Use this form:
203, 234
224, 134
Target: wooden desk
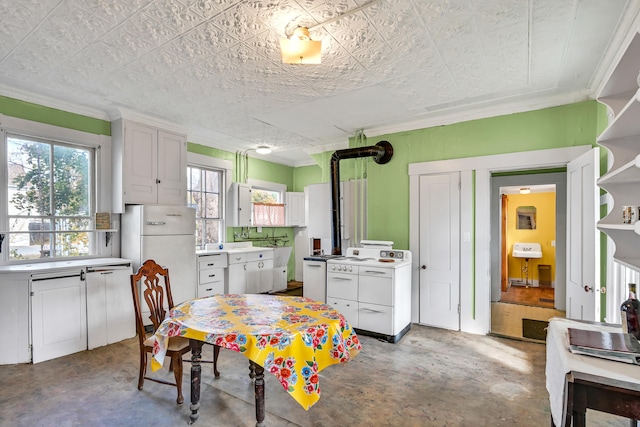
576, 382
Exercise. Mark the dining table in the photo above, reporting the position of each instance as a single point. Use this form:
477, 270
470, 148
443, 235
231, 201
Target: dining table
294, 338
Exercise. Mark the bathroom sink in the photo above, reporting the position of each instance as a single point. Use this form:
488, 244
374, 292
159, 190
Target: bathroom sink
526, 250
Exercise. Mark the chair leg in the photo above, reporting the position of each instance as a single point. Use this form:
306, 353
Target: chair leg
216, 352
177, 373
143, 369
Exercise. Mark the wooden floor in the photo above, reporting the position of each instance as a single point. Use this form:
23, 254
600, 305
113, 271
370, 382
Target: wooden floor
533, 296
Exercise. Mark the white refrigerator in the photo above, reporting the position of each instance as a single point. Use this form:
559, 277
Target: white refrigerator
165, 234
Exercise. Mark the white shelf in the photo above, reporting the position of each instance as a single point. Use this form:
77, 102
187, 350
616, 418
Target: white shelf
626, 124
622, 139
625, 174
624, 76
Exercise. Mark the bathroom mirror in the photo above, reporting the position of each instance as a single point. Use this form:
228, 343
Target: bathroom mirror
526, 218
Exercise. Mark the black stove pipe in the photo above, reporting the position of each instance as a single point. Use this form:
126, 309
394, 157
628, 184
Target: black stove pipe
381, 153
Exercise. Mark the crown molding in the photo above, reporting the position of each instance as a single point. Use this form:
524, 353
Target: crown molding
47, 101
481, 110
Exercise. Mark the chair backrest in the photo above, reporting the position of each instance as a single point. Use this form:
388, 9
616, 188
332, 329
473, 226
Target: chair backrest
155, 287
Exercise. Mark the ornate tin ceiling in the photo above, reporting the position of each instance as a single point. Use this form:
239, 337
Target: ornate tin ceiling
213, 67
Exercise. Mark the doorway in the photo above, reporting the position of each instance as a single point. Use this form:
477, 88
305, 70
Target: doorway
528, 230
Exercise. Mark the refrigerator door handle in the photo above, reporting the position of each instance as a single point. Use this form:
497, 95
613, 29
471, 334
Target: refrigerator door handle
156, 223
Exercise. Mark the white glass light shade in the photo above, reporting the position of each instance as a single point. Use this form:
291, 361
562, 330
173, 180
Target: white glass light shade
263, 149
300, 49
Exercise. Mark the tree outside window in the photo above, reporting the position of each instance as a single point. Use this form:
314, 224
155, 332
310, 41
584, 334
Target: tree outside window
49, 199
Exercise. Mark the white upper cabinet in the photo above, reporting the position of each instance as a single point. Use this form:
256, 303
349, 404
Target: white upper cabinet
239, 205
149, 165
294, 214
622, 139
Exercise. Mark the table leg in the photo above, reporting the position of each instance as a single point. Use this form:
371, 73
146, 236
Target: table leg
259, 381
252, 372
196, 371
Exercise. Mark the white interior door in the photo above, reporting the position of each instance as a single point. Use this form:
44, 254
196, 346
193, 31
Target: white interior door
583, 244
440, 250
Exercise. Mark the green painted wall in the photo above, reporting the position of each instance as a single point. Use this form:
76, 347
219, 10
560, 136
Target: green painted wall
388, 185
38, 113
306, 175
388, 201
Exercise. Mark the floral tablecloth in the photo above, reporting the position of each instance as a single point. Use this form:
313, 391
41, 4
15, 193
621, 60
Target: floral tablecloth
294, 338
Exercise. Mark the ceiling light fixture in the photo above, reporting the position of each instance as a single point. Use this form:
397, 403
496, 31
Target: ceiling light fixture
263, 149
525, 190
300, 49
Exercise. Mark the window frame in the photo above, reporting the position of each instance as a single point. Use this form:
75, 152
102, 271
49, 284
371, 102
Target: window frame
99, 189
269, 186
225, 166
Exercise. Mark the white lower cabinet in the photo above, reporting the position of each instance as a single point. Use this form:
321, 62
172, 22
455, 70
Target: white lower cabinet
52, 309
259, 275
14, 318
250, 272
237, 277
211, 274
110, 312
58, 314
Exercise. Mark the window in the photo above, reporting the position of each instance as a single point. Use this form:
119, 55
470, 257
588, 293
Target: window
204, 193
268, 207
49, 199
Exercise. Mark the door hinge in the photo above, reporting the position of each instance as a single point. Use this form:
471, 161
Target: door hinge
31, 293
458, 308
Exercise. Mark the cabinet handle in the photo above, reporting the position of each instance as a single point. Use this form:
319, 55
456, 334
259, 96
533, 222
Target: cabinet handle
107, 272
157, 181
314, 265
212, 275
341, 278
374, 272
209, 289
211, 264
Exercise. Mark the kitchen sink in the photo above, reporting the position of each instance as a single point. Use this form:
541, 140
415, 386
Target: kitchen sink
281, 255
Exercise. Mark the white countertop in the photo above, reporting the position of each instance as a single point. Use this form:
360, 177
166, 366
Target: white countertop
234, 248
43, 267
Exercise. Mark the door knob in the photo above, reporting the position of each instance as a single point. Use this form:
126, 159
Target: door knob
588, 288
424, 267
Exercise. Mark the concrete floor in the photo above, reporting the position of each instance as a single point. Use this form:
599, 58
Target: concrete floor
432, 377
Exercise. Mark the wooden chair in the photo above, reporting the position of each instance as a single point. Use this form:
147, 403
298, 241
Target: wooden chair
154, 292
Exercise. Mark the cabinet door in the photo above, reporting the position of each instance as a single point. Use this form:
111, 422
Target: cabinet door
253, 277
58, 316
266, 276
236, 279
120, 316
318, 210
240, 205
295, 210
140, 164
14, 318
96, 310
172, 169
